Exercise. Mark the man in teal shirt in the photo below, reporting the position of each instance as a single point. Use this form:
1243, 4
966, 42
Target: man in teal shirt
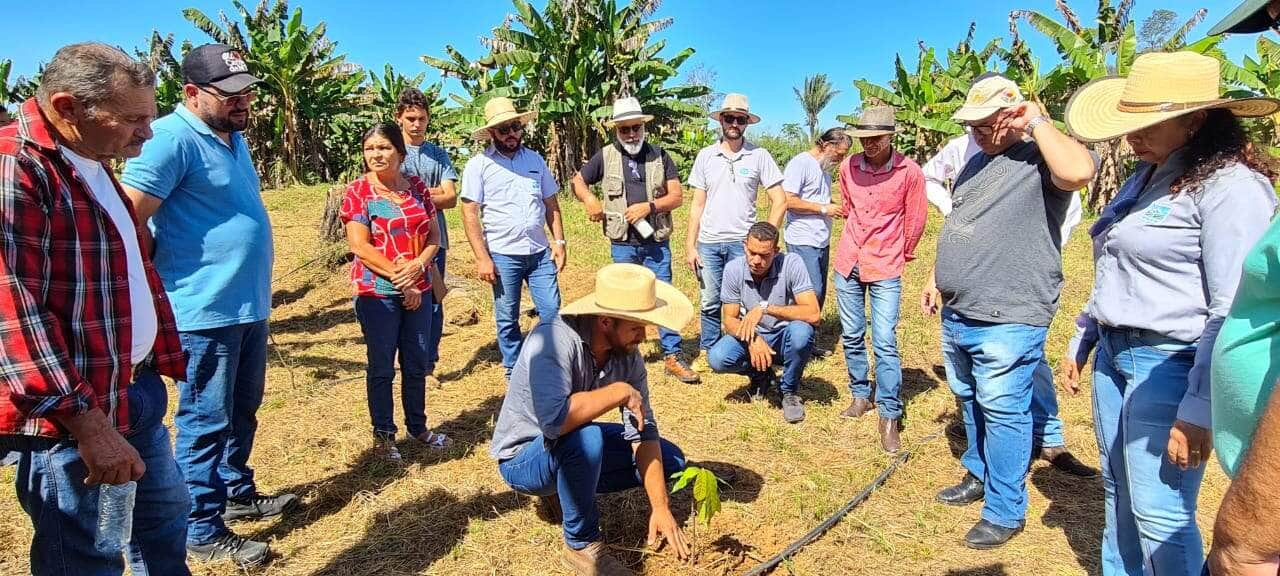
211, 242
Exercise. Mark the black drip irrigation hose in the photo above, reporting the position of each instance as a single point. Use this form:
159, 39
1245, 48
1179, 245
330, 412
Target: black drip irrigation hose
772, 563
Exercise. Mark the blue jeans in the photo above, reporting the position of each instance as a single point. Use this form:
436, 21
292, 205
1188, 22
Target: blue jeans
437, 319
594, 459
64, 512
217, 419
714, 257
1138, 381
792, 347
389, 328
656, 257
816, 261
851, 299
539, 271
989, 368
1046, 426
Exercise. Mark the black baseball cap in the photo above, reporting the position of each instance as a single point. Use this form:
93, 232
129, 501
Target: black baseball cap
1250, 16
219, 66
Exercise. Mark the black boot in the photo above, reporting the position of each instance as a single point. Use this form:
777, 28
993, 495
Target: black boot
968, 491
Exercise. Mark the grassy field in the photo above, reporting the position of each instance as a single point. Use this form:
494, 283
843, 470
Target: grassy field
451, 513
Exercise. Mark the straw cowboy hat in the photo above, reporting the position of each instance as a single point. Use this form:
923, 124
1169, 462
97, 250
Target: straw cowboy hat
1160, 86
626, 110
633, 292
499, 111
1250, 16
874, 121
988, 96
736, 103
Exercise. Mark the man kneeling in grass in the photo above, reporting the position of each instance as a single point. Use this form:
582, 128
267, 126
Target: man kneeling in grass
572, 369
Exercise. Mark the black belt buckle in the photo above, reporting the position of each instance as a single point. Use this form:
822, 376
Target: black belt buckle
148, 364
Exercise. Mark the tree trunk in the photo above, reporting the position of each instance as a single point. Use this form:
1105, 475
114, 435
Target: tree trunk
330, 224
1112, 157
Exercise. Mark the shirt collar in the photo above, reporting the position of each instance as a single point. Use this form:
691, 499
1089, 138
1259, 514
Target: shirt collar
492, 152
33, 127
774, 269
895, 160
1175, 163
200, 127
747, 148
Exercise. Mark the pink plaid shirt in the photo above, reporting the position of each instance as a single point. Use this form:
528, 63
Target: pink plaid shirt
885, 213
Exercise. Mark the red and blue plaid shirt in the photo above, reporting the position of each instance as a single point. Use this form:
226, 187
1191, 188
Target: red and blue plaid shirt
65, 319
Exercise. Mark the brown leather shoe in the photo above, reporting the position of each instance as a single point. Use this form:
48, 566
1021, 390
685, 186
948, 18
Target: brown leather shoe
676, 367
594, 560
889, 439
857, 408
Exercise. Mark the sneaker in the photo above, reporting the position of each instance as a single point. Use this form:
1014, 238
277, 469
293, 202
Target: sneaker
230, 547
594, 560
258, 506
676, 367
792, 409
820, 352
385, 448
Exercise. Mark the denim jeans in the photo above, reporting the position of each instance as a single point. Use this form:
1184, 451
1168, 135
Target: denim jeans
1138, 381
714, 257
792, 346
816, 261
437, 319
539, 271
217, 418
656, 257
989, 367
389, 328
64, 512
851, 299
594, 459
1046, 426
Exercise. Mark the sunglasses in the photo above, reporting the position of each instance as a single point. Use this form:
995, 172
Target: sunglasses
632, 129
245, 97
735, 119
509, 128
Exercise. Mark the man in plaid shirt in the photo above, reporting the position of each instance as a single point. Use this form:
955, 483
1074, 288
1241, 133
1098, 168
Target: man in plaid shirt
86, 329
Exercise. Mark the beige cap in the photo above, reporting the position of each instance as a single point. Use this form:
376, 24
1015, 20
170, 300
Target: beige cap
988, 96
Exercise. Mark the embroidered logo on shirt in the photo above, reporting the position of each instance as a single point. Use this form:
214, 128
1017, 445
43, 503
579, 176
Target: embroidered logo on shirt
1156, 213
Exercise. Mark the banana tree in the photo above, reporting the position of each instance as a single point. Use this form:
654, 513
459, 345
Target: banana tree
159, 56
924, 102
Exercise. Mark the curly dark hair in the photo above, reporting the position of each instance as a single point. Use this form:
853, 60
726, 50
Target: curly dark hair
411, 98
1220, 141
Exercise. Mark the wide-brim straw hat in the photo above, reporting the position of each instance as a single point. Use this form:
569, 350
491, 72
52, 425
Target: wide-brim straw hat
736, 103
1160, 86
626, 110
874, 121
633, 292
499, 111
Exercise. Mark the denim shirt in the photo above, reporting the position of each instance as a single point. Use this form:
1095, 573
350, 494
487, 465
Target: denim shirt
1171, 264
555, 362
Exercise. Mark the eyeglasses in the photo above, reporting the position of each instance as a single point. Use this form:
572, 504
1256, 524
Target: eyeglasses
985, 129
245, 97
510, 127
734, 119
632, 129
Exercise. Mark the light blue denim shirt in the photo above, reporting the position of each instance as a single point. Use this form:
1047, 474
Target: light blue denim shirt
1171, 264
556, 351
510, 192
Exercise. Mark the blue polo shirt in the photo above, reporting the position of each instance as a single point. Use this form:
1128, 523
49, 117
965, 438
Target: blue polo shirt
212, 235
786, 278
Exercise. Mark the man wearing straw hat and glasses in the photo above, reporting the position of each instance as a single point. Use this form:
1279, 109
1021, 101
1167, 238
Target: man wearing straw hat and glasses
998, 275
726, 178
883, 195
640, 189
508, 196
587, 364
1169, 251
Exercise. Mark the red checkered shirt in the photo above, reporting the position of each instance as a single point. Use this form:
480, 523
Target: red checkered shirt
65, 318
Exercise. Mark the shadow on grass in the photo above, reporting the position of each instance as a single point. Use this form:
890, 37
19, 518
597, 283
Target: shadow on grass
337, 313
487, 354
369, 473
988, 570
813, 389
284, 297
410, 538
1076, 507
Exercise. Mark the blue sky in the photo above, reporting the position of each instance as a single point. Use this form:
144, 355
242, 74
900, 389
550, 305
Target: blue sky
760, 48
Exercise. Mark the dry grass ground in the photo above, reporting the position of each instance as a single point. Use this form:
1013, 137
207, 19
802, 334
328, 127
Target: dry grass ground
451, 514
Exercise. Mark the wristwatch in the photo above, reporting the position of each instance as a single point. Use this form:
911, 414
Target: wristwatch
764, 307
824, 210
561, 242
1030, 130
653, 208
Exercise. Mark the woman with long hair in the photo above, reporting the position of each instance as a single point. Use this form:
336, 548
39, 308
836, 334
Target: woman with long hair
1168, 252
391, 229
